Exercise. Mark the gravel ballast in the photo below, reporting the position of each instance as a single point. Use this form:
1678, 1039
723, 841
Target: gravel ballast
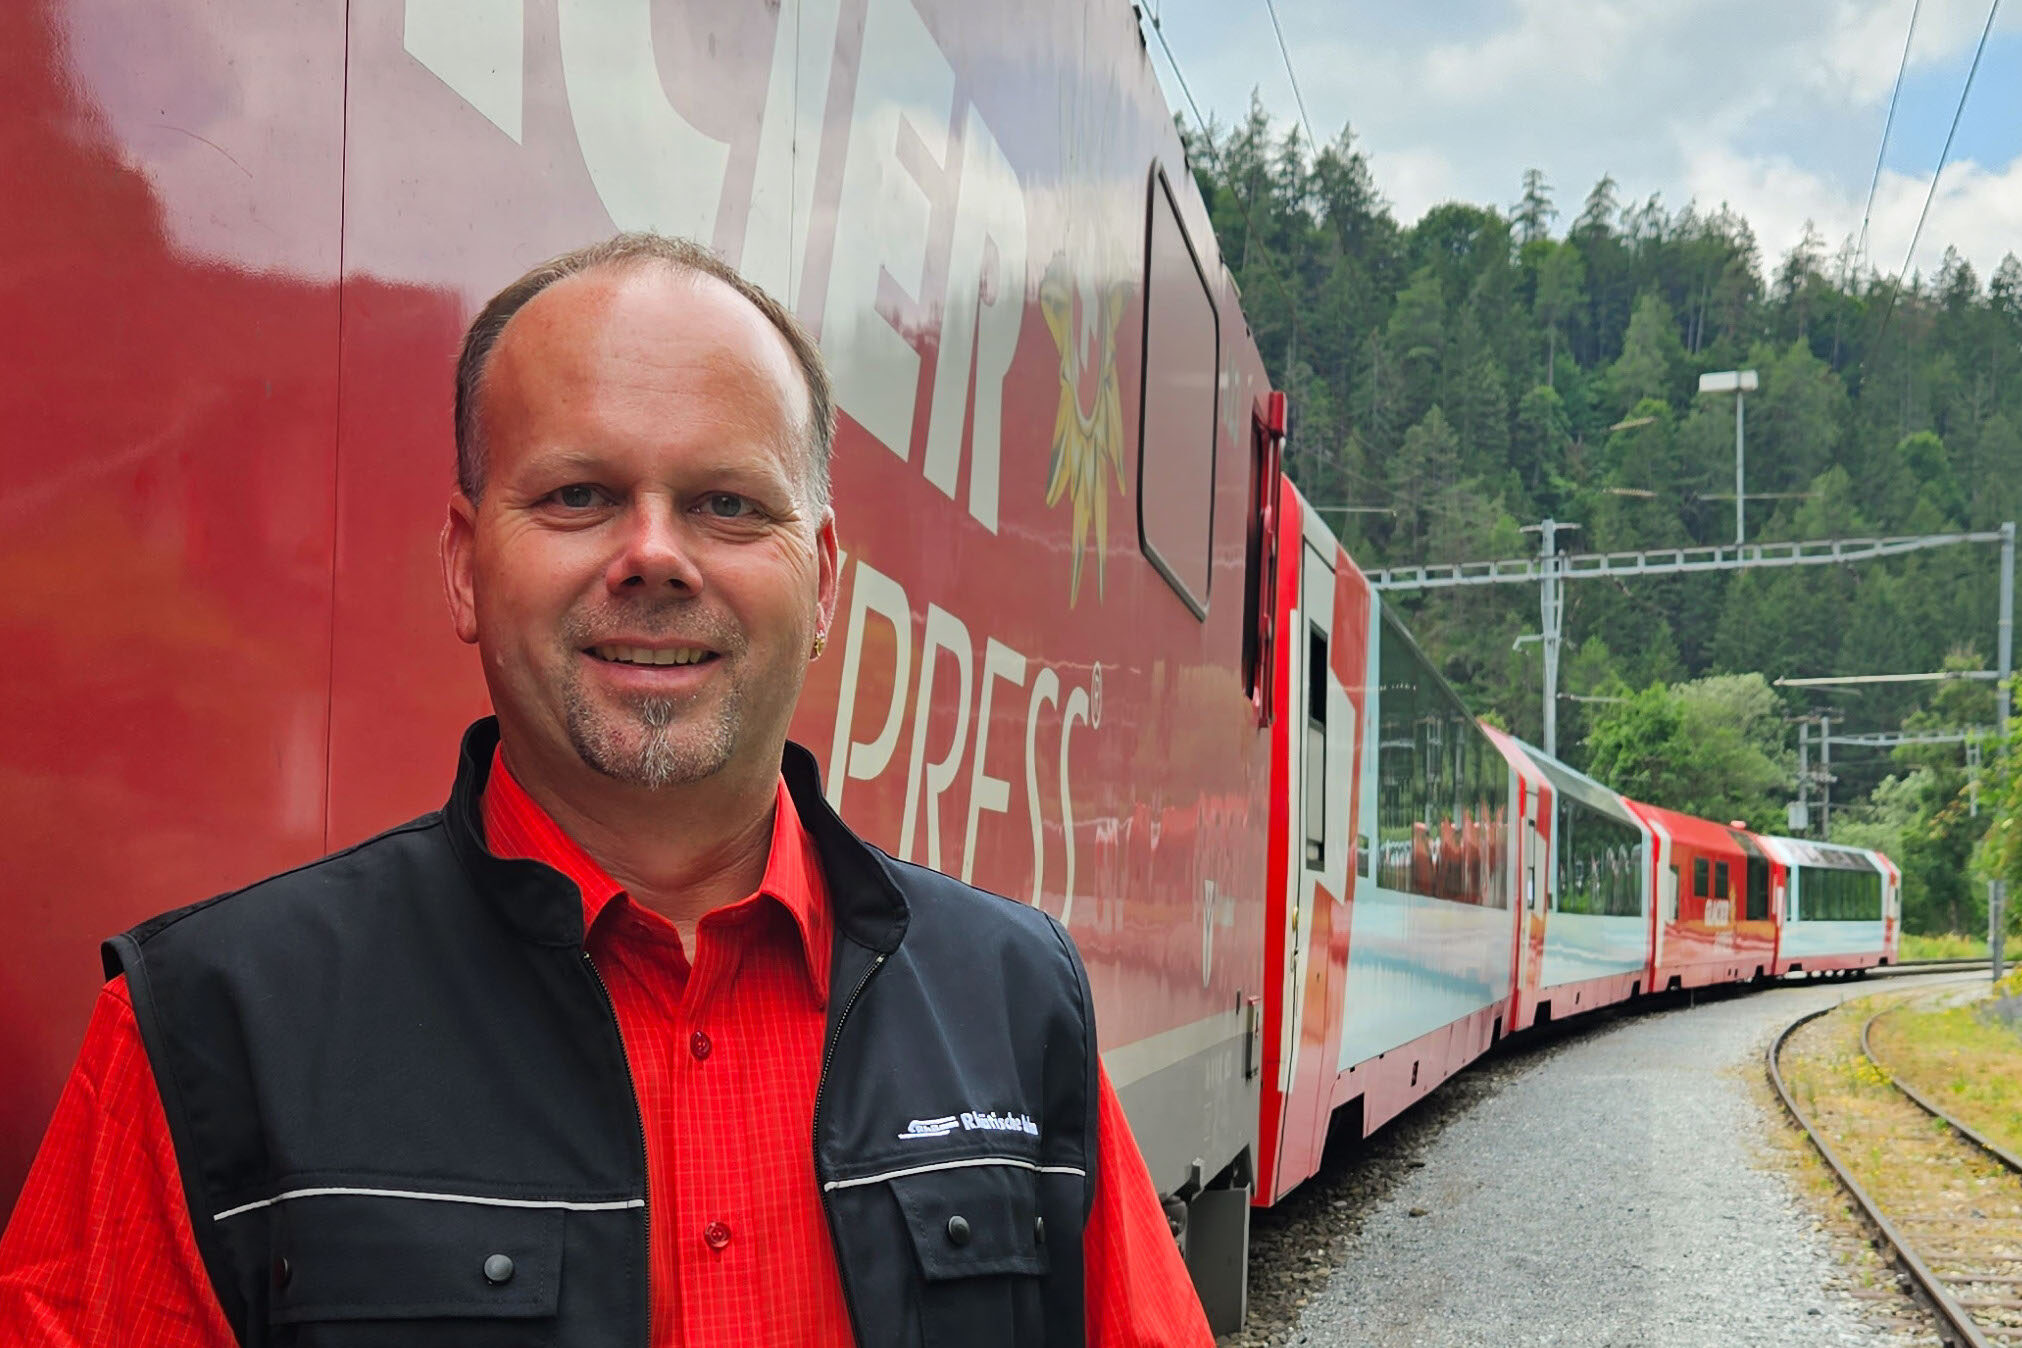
1611, 1190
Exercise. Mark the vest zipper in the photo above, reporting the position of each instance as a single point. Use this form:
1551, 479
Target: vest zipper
639, 1120
820, 1092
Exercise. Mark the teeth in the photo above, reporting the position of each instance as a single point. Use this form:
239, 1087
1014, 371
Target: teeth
640, 655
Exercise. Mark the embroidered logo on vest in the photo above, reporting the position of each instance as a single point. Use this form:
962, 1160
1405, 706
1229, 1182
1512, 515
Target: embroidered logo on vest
970, 1122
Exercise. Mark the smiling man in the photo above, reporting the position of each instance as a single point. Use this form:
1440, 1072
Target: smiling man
634, 1042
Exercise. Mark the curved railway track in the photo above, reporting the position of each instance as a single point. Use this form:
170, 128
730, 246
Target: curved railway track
1940, 1289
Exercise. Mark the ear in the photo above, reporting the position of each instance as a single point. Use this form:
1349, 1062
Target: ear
830, 568
458, 546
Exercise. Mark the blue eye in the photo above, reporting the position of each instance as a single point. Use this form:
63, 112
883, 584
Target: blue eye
727, 505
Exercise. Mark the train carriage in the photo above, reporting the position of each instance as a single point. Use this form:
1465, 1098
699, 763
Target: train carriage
1593, 948
1391, 918
1713, 921
1840, 907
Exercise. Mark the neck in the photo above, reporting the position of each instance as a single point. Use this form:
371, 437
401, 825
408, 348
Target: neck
681, 851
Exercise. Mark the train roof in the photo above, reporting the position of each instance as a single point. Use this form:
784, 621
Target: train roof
1810, 852
1570, 781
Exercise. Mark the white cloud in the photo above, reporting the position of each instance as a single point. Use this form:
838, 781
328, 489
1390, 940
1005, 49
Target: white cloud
1774, 108
1976, 209
1415, 180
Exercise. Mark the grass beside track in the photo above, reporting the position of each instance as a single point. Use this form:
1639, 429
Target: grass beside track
1965, 1063
1949, 945
1962, 1210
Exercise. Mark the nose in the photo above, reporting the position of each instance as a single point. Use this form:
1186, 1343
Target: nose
653, 555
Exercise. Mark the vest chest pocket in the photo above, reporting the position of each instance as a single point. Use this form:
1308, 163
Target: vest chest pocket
982, 1254
351, 1270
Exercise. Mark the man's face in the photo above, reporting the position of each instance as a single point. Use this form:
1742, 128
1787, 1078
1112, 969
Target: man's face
644, 574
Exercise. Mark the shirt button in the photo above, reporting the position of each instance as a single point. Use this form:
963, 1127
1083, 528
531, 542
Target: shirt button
498, 1269
699, 1045
716, 1234
958, 1229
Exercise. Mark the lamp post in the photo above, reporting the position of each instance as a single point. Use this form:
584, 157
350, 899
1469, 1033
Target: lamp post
1739, 383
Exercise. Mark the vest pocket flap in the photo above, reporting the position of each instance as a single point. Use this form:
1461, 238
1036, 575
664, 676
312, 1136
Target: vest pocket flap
359, 1257
974, 1220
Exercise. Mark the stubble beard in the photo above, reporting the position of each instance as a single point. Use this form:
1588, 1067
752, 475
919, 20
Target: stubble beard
648, 742
654, 742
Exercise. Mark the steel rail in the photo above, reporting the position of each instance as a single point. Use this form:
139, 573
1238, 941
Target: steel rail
1964, 1331
1917, 1097
1904, 970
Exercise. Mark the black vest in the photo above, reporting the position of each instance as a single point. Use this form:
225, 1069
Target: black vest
403, 1114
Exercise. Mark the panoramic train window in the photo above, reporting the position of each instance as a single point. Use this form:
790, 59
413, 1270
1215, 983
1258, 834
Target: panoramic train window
1442, 807
1176, 414
1830, 894
1316, 748
1600, 862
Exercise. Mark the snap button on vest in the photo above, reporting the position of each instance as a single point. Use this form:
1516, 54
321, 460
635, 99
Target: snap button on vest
1039, 1230
498, 1269
284, 1272
958, 1229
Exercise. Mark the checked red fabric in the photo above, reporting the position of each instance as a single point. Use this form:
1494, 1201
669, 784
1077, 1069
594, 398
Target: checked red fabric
725, 1052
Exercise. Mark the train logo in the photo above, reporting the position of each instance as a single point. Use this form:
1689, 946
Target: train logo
1088, 425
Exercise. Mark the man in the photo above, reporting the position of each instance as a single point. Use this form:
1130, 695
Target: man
630, 1043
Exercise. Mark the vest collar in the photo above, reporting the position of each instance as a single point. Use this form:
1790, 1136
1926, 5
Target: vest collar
544, 906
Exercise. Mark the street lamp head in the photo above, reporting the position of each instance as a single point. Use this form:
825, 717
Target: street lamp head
1728, 381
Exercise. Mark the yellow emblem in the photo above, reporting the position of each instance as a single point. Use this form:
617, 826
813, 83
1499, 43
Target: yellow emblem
1088, 426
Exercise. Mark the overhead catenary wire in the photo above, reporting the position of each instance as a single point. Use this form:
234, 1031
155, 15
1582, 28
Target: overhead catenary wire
1298, 98
1902, 68
1938, 172
1215, 154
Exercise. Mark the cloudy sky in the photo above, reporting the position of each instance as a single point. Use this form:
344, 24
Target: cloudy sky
1773, 106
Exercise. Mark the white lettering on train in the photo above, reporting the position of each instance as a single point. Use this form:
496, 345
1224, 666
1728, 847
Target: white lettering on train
911, 149
980, 322
987, 792
944, 632
904, 102
948, 677
782, 188
651, 167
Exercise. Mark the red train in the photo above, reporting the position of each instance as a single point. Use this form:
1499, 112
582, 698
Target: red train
1094, 652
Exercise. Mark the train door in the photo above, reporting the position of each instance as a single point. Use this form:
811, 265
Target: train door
1534, 866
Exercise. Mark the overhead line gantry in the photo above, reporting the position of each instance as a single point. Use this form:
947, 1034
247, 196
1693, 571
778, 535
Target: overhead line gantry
1549, 569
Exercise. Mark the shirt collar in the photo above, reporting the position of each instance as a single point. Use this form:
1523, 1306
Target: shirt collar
516, 827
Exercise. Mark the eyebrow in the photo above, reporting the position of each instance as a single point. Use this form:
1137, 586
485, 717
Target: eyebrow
740, 472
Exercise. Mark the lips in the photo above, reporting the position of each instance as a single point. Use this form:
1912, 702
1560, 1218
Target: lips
650, 655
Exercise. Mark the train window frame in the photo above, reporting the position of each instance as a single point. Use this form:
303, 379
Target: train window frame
1260, 554
1701, 878
1314, 789
1160, 190
1721, 888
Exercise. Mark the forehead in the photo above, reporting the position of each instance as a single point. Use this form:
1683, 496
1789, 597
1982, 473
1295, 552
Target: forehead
624, 345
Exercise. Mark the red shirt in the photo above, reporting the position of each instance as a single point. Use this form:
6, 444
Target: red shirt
725, 1052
